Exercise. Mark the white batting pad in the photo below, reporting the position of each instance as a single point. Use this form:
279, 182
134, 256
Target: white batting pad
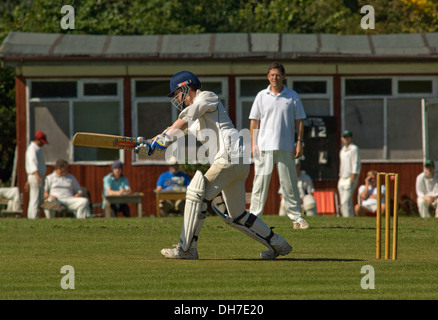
247, 223
194, 211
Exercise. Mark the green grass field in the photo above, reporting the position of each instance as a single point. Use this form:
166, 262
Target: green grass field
120, 259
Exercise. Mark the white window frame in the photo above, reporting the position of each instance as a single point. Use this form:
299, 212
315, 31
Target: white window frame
343, 94
415, 78
82, 82
240, 99
327, 95
394, 95
222, 96
79, 98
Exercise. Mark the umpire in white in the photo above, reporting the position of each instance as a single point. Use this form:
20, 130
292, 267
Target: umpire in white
276, 114
202, 113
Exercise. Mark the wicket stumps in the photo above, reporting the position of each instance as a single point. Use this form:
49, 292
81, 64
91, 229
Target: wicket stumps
388, 179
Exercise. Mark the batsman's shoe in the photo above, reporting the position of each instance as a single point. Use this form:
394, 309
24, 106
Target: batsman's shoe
179, 253
281, 247
300, 223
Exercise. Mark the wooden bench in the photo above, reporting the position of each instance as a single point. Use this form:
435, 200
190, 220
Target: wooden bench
135, 197
167, 195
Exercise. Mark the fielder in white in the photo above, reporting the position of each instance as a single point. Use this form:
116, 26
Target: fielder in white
427, 190
202, 110
63, 187
36, 172
348, 173
276, 115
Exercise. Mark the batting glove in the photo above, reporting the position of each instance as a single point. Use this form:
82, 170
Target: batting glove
143, 147
160, 143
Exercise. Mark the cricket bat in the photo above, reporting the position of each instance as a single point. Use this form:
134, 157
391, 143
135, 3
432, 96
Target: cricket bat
107, 141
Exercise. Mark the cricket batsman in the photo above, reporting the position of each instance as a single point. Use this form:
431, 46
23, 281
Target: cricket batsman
202, 111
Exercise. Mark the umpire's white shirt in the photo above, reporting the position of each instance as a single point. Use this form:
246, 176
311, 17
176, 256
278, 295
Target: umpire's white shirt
277, 115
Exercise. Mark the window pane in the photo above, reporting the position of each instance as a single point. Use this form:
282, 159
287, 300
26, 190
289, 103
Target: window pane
215, 87
53, 119
432, 129
310, 87
151, 88
365, 119
404, 129
415, 86
250, 88
100, 89
316, 107
53, 89
368, 87
153, 118
224, 103
98, 117
246, 110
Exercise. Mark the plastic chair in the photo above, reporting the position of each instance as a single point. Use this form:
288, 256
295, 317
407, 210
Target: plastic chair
327, 202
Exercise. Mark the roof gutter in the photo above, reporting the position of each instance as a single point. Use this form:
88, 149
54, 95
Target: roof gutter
29, 60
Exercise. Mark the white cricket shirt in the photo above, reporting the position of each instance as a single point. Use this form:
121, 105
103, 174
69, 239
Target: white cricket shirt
426, 186
350, 161
209, 122
62, 186
277, 115
34, 160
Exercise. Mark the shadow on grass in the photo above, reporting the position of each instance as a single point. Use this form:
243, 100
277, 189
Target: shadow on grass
345, 227
291, 259
319, 259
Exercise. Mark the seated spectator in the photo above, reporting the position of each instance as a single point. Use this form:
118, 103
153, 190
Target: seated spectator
172, 180
13, 195
115, 184
367, 193
62, 188
306, 189
427, 190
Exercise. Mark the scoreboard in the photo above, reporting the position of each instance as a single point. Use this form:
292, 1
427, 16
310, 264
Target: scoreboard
320, 159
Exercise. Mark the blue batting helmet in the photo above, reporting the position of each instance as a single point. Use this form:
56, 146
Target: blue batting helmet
182, 78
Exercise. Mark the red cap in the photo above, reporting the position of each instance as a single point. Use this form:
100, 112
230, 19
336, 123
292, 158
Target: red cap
41, 136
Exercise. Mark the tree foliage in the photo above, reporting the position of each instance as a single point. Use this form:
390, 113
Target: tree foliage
7, 122
140, 17
148, 17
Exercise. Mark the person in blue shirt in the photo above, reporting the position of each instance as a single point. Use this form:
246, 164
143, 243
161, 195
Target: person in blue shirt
115, 183
172, 180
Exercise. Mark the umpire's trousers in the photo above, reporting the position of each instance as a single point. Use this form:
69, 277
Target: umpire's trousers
287, 173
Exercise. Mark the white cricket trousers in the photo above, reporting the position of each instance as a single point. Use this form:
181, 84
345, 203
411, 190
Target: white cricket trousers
423, 208
36, 196
80, 205
287, 174
346, 189
230, 179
